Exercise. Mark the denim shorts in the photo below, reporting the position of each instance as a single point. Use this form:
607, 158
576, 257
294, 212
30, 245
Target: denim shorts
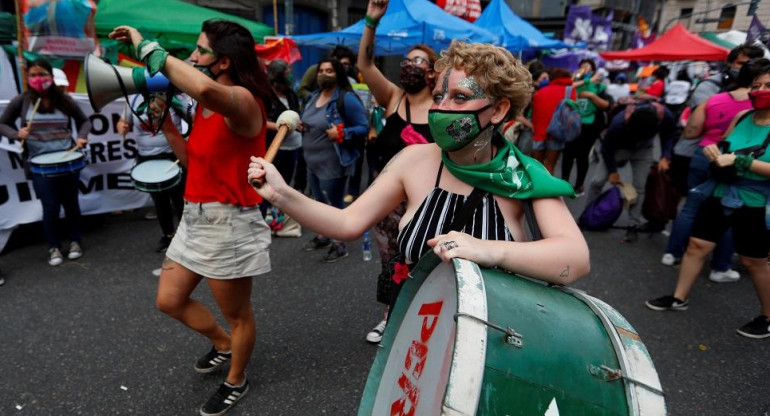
548, 144
221, 241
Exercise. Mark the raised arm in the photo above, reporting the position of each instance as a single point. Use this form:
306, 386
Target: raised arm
235, 103
386, 92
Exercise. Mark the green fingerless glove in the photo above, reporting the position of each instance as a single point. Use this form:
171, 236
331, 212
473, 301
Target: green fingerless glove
743, 163
152, 54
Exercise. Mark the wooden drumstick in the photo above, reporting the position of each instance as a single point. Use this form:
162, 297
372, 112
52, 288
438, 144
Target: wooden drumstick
287, 122
283, 131
31, 118
171, 166
68, 152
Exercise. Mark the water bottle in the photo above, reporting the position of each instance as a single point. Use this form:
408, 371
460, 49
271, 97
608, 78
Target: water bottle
366, 247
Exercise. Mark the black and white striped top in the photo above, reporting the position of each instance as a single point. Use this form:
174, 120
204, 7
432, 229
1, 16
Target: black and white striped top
435, 216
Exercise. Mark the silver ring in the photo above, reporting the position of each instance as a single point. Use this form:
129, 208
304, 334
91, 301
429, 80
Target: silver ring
448, 245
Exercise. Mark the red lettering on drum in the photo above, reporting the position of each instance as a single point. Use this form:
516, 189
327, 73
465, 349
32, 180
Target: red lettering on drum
414, 362
429, 309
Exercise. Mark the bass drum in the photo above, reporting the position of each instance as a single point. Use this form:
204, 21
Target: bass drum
468, 341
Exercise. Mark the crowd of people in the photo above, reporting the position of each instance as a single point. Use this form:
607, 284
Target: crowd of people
458, 148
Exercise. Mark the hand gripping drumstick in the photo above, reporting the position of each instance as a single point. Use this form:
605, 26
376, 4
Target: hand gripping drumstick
287, 122
31, 118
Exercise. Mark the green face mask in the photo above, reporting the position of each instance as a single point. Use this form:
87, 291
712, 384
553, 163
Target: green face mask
453, 130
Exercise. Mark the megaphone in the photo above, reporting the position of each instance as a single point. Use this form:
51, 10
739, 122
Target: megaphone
106, 82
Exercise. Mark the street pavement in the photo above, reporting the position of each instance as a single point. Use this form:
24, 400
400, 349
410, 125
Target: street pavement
85, 338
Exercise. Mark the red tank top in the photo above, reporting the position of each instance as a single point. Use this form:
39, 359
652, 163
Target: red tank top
218, 161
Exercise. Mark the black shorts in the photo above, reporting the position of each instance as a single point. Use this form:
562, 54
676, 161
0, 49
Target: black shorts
750, 235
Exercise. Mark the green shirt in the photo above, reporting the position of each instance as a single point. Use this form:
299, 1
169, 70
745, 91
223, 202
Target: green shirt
586, 108
747, 134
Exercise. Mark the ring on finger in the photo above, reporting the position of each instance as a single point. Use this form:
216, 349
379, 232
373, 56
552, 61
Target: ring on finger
448, 245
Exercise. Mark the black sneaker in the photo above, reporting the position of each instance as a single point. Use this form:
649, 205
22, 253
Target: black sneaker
225, 398
317, 243
758, 328
336, 252
667, 303
163, 244
211, 361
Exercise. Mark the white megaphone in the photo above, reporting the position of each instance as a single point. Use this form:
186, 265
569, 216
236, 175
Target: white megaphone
106, 82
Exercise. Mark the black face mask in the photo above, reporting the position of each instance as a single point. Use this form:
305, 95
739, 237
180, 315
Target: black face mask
326, 82
208, 70
412, 79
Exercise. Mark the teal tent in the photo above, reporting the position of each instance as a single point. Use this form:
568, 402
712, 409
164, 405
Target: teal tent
171, 19
403, 25
516, 34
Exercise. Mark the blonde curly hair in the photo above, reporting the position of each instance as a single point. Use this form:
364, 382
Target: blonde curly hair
496, 70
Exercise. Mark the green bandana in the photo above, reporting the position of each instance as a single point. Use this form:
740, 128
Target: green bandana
510, 174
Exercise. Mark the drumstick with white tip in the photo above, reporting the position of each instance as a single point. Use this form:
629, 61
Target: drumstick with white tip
31, 118
287, 122
171, 166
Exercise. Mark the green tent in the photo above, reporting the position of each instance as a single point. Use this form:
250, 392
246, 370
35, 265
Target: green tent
713, 38
7, 27
171, 19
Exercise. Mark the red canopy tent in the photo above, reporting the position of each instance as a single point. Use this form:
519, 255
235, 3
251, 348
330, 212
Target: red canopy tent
678, 44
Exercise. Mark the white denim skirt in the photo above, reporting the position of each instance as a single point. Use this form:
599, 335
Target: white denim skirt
221, 241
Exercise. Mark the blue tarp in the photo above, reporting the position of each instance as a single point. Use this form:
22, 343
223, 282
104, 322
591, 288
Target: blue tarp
403, 25
516, 34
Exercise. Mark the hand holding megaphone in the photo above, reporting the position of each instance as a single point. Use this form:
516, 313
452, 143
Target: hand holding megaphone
287, 122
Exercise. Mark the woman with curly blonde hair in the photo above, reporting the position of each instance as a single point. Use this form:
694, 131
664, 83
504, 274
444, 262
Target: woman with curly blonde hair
478, 87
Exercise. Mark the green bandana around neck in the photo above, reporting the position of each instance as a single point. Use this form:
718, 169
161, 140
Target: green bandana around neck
510, 174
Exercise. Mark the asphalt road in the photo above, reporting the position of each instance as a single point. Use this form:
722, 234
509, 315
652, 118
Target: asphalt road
85, 338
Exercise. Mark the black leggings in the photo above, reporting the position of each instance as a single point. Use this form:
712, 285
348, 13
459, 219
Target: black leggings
578, 150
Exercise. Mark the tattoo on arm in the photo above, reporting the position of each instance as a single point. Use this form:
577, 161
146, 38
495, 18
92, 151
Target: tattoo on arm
564, 273
370, 51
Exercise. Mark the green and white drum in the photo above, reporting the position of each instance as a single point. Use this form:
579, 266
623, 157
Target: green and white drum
468, 341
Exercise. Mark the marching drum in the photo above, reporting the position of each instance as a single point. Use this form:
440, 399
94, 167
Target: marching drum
465, 341
57, 163
156, 175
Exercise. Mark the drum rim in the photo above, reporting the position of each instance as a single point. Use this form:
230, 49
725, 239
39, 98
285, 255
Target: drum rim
155, 161
80, 156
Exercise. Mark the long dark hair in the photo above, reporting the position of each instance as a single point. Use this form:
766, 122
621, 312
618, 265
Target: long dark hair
58, 99
342, 77
230, 39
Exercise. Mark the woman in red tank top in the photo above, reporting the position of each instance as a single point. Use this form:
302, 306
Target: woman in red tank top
222, 236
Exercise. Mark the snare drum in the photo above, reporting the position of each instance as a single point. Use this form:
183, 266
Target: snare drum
156, 175
57, 163
465, 341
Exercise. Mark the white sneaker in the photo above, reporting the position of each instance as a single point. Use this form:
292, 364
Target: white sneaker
75, 251
727, 276
375, 335
54, 257
668, 259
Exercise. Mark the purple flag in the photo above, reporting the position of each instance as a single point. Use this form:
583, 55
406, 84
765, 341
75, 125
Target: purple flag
578, 27
756, 30
584, 26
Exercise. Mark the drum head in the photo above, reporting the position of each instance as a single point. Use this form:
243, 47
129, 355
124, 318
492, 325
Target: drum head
56, 157
155, 171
